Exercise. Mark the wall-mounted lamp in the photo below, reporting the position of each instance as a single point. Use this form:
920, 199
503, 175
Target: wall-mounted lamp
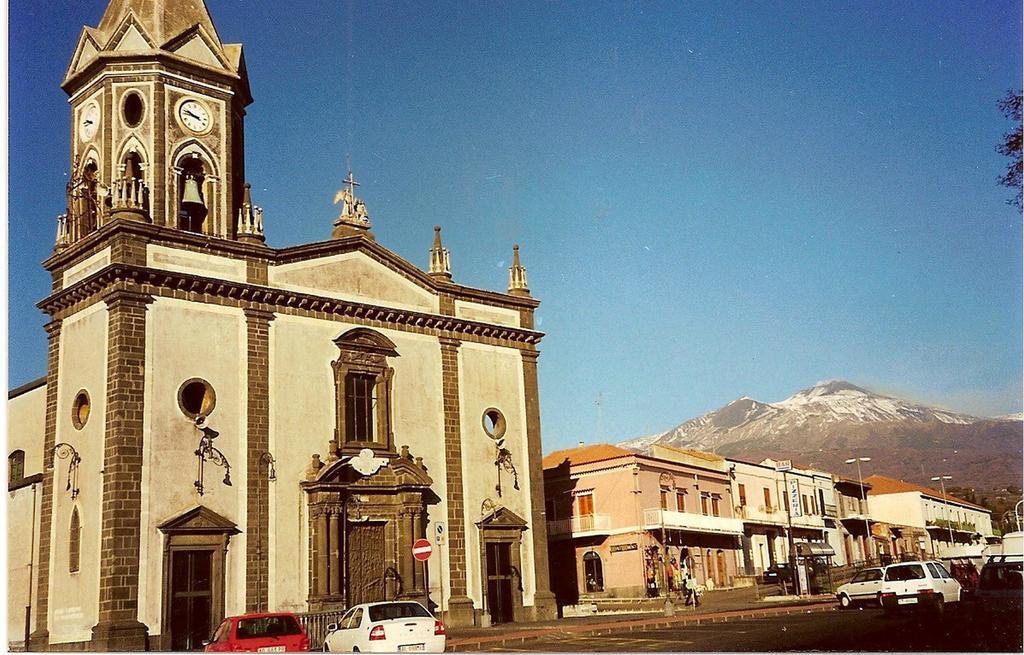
65, 451
208, 452
503, 460
268, 459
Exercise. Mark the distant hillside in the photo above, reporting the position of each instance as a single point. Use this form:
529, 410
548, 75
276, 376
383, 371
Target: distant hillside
825, 424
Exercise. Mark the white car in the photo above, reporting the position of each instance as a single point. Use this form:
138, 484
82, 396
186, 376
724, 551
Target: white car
918, 584
865, 587
386, 627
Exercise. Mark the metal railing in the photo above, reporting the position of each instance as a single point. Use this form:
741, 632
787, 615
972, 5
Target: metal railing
584, 523
316, 624
656, 518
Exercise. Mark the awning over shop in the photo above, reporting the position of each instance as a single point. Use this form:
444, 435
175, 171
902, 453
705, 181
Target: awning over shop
814, 549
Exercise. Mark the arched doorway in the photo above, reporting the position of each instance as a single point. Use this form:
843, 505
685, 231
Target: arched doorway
593, 572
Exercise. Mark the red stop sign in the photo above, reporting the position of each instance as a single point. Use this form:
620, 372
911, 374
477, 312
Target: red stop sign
422, 549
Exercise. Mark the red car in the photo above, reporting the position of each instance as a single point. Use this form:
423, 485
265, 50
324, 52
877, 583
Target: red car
278, 632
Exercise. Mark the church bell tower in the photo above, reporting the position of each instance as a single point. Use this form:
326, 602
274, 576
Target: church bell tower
157, 133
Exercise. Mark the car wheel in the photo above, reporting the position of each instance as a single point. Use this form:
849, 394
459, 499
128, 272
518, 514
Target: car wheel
844, 602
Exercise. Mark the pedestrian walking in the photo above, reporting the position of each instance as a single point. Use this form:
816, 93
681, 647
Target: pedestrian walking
692, 595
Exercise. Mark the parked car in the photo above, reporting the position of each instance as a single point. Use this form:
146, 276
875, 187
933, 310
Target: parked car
918, 585
782, 572
864, 588
1001, 588
278, 632
390, 627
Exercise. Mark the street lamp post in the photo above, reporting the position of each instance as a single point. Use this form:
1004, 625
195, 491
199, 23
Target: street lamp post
941, 479
864, 501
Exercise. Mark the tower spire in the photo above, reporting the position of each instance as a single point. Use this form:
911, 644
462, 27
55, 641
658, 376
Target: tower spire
517, 285
440, 263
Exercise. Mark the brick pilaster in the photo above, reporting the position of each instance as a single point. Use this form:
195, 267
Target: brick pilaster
40, 637
118, 627
258, 444
460, 606
544, 607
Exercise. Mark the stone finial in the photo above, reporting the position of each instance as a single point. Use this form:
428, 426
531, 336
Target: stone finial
332, 450
440, 262
353, 218
517, 285
63, 233
405, 452
314, 467
250, 219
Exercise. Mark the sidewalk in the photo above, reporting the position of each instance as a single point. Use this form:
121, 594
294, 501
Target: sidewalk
717, 606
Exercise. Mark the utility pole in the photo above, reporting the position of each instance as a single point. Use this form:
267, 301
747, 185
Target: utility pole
941, 479
864, 501
792, 544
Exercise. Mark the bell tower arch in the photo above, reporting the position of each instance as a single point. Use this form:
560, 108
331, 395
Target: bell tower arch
153, 81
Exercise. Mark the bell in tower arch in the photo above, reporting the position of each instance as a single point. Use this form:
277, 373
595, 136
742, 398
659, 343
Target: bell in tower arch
193, 210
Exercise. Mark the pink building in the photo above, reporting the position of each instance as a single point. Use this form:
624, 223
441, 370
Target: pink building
620, 523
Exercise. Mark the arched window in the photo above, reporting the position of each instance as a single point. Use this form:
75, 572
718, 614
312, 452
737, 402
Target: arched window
593, 572
74, 542
16, 466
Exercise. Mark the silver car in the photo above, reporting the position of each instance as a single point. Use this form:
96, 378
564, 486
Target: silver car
864, 588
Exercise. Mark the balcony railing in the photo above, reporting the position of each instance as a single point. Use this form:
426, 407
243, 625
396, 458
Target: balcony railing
959, 526
663, 518
831, 511
578, 524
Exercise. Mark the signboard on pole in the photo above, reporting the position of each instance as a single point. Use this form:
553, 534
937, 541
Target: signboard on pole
422, 549
794, 498
439, 533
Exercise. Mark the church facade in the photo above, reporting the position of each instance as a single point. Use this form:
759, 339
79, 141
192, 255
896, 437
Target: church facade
228, 427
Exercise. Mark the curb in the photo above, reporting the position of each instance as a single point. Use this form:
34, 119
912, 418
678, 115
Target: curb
472, 643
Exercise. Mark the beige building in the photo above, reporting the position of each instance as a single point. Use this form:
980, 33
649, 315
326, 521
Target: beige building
922, 522
228, 427
627, 525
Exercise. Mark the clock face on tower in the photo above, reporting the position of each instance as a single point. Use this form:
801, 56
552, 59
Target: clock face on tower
194, 116
89, 122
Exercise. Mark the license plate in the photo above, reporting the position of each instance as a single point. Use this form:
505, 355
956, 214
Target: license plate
410, 647
906, 601
270, 649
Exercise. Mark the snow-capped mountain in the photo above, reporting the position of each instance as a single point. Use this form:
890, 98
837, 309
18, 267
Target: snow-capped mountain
826, 422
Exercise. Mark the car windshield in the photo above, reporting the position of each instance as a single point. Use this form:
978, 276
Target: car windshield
914, 572
267, 626
397, 611
1003, 576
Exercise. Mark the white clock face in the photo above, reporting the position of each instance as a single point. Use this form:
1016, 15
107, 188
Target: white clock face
89, 122
194, 116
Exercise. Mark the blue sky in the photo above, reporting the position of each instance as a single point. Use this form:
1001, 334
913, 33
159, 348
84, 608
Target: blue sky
712, 199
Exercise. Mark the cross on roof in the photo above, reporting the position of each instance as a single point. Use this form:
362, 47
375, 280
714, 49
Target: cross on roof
351, 182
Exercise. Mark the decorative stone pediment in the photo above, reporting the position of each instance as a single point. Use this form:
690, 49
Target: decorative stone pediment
199, 520
130, 36
364, 340
362, 274
196, 44
504, 518
399, 473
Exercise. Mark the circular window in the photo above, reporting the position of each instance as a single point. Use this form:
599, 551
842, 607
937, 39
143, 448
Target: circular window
196, 398
132, 109
80, 409
494, 423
